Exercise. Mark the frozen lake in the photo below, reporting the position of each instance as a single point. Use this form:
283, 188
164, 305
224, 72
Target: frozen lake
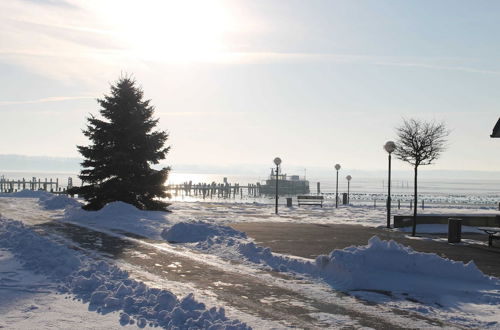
484, 192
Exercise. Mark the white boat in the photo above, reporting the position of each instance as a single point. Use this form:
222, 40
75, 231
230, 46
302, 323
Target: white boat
287, 185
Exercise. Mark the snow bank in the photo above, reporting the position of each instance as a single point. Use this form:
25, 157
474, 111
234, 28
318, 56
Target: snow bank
387, 265
121, 216
47, 200
107, 288
117, 210
28, 194
380, 265
187, 232
54, 202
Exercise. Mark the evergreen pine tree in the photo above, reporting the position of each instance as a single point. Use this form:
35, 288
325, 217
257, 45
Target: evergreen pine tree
117, 163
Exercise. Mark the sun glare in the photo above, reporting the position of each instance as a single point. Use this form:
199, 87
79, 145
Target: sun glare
156, 30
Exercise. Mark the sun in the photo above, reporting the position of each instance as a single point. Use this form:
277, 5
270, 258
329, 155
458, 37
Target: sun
167, 30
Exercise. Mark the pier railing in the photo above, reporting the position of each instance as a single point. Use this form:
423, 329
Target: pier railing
211, 190
52, 185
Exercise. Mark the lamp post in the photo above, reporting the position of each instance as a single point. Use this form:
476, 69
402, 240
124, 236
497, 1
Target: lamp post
389, 146
277, 162
337, 167
348, 186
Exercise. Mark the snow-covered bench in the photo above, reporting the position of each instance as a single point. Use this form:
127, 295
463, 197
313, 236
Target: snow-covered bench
492, 233
310, 200
473, 220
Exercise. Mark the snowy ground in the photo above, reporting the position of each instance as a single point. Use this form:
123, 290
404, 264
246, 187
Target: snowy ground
151, 223
104, 287
30, 300
419, 283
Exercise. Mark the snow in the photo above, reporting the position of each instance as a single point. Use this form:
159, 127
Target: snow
186, 232
28, 194
387, 265
125, 217
54, 202
365, 215
384, 272
46, 199
31, 301
356, 268
121, 216
105, 287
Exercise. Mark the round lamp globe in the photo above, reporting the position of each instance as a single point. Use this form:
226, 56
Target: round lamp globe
390, 146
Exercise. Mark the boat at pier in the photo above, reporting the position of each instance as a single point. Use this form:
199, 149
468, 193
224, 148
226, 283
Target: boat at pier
287, 184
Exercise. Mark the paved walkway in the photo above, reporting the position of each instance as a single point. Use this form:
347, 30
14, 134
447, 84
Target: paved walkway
310, 240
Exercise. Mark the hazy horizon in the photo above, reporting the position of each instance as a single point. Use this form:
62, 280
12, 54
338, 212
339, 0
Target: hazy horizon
241, 82
42, 164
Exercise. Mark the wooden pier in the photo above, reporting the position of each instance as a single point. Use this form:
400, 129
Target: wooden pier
52, 185
211, 190
203, 190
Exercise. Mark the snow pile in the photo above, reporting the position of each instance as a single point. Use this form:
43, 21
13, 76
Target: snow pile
121, 216
106, 287
115, 210
31, 301
54, 202
47, 200
28, 194
196, 231
380, 265
241, 249
387, 265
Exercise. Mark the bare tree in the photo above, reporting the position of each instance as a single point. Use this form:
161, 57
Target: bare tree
420, 143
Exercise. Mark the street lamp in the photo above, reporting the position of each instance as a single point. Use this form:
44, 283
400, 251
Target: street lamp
337, 167
277, 162
389, 146
348, 186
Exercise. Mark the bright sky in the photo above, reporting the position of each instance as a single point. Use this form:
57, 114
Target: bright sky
241, 82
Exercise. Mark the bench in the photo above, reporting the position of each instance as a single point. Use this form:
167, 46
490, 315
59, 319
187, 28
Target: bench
310, 200
491, 231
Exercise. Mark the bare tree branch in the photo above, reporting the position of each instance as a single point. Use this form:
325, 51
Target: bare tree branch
420, 142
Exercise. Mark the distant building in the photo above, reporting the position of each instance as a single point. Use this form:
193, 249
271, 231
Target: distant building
496, 130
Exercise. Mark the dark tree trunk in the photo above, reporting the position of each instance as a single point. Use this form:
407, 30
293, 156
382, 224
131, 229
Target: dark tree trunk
414, 229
